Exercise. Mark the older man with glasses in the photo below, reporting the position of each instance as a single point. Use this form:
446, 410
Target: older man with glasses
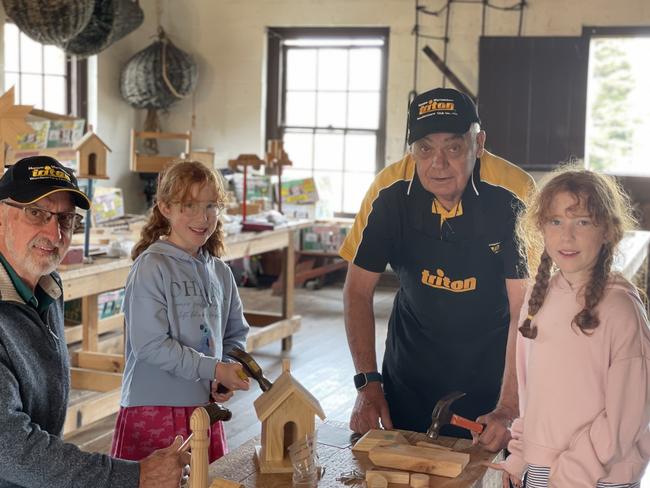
443, 217
37, 219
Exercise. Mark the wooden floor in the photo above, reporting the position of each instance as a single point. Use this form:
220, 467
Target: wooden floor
320, 360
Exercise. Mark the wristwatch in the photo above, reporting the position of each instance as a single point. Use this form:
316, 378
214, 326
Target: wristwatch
361, 380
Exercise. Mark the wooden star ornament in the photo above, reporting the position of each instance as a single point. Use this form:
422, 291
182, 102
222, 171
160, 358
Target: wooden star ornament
12, 123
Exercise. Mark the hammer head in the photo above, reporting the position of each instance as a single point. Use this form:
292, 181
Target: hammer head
251, 368
217, 412
442, 413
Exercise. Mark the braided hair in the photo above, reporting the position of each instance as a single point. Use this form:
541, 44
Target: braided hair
608, 206
175, 184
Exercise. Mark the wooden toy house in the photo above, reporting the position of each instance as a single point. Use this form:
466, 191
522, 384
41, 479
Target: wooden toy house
287, 412
92, 154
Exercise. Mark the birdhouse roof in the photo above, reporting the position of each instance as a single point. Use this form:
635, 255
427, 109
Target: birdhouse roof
86, 138
286, 385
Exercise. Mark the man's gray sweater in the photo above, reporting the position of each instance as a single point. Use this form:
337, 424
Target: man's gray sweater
34, 389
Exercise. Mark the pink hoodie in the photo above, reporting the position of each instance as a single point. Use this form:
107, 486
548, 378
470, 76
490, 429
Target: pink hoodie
584, 399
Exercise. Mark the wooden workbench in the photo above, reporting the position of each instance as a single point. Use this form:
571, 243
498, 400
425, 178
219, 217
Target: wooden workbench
336, 456
97, 367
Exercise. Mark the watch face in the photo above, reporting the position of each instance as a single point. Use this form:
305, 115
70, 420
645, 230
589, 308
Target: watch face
360, 381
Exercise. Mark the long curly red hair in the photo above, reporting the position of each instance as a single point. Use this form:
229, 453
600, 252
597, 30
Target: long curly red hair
608, 205
175, 184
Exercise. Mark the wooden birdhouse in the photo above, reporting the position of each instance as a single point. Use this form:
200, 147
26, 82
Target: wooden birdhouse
287, 412
92, 154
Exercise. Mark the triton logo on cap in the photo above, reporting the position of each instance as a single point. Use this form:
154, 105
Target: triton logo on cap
436, 105
440, 110
48, 171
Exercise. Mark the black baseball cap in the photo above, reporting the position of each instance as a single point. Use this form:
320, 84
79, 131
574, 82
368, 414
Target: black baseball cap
441, 110
33, 178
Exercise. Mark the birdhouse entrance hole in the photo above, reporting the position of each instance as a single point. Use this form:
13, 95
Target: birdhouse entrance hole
92, 164
290, 436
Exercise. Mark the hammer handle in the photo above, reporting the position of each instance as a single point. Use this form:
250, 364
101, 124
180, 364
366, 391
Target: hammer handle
466, 424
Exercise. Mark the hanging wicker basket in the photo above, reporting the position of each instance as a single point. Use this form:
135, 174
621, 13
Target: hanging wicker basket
49, 21
158, 76
111, 20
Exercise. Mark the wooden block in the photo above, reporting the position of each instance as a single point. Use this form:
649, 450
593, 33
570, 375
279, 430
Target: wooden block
223, 483
419, 480
378, 482
400, 477
378, 437
420, 459
432, 445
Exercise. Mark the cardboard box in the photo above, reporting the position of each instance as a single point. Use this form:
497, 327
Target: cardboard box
108, 204
312, 211
299, 191
325, 238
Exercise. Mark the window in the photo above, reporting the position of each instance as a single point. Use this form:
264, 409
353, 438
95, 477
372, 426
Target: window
326, 101
618, 109
43, 75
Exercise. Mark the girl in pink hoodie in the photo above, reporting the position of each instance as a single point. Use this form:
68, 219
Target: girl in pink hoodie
583, 346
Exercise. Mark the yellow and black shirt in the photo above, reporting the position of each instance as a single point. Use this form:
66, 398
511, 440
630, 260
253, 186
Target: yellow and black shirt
449, 324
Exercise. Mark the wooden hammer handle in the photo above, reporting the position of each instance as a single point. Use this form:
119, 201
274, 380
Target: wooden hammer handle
466, 424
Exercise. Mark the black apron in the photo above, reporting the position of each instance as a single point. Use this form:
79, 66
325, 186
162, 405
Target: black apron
449, 324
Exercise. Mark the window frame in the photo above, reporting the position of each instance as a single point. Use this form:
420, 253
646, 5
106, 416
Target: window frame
276, 79
76, 81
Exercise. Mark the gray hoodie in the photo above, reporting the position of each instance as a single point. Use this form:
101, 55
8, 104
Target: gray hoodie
183, 313
34, 387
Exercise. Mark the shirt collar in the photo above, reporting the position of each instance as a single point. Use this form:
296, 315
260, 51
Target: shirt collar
47, 288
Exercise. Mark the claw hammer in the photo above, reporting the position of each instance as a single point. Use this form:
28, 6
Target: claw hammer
442, 415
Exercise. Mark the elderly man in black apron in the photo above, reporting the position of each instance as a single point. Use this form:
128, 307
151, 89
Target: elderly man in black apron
443, 218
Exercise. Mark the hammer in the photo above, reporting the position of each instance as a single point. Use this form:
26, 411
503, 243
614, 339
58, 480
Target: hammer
250, 367
442, 415
216, 412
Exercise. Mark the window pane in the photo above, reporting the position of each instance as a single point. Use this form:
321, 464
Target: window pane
328, 151
11, 79
55, 94
299, 146
11, 48
31, 55
360, 152
365, 69
54, 60
300, 110
332, 69
301, 69
331, 109
329, 187
363, 110
354, 189
32, 90
618, 111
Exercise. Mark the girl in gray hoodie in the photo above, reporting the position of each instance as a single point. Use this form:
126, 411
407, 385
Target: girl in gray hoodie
183, 315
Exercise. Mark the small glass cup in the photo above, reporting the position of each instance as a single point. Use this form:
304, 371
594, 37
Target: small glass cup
304, 460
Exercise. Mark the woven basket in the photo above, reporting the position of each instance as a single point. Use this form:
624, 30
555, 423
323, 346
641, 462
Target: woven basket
49, 21
111, 21
147, 82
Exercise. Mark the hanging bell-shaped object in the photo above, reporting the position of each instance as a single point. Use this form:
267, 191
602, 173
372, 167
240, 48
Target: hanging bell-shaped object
111, 20
49, 21
158, 76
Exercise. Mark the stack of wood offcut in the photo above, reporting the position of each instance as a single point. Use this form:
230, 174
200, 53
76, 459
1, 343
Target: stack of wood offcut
408, 464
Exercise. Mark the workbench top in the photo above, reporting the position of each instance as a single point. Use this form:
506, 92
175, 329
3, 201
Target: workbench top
337, 457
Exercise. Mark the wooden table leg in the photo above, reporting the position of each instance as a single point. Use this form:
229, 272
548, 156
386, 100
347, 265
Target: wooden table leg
287, 343
89, 317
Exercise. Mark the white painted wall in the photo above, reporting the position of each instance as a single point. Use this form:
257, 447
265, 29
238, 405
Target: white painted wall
228, 40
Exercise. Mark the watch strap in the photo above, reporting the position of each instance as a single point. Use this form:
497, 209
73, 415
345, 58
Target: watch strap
361, 380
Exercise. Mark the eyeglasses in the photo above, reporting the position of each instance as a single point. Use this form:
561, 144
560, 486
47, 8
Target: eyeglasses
39, 216
193, 209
